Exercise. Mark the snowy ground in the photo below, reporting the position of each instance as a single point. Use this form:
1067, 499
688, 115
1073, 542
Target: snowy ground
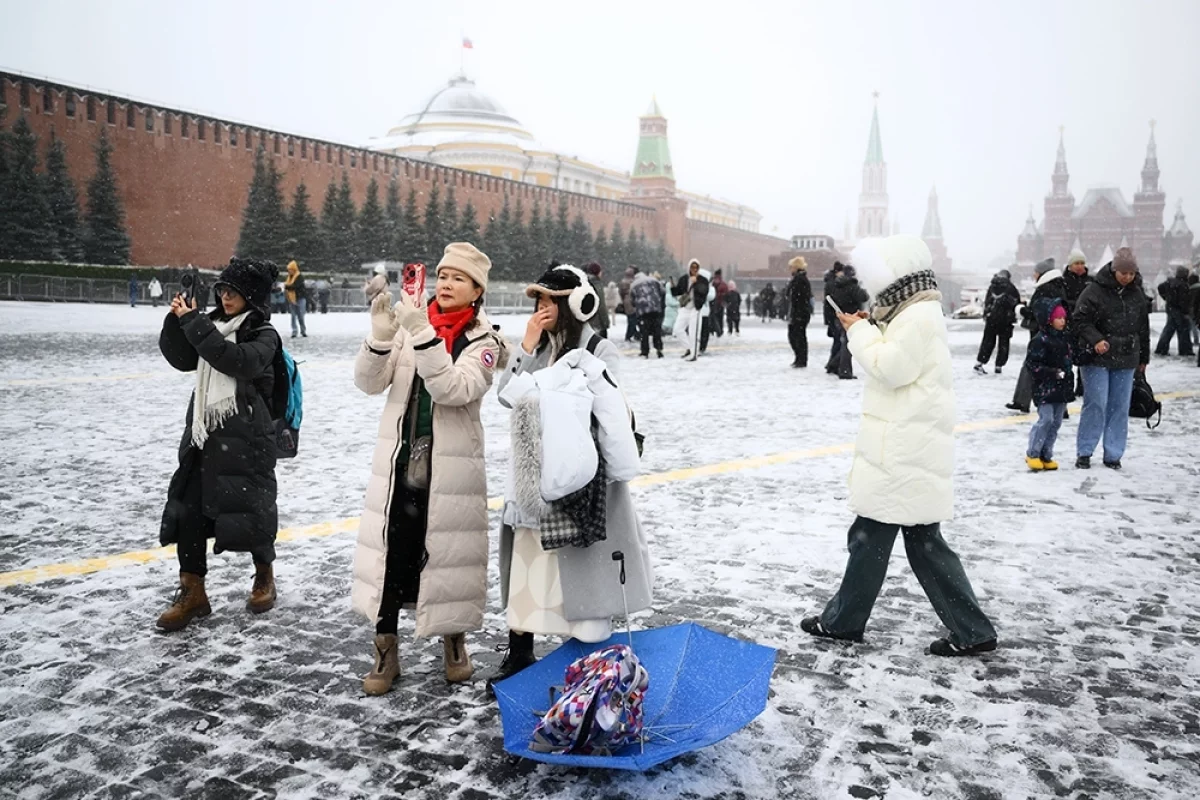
1091, 577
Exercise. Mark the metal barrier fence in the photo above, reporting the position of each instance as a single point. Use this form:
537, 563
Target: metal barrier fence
106, 290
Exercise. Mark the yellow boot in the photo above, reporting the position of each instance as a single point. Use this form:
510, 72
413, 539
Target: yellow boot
1049, 466
1035, 464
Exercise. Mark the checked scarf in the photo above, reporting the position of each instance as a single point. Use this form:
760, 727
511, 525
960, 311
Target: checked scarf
914, 287
581, 518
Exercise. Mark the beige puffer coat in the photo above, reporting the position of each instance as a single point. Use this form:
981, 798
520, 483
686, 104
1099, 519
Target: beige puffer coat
454, 581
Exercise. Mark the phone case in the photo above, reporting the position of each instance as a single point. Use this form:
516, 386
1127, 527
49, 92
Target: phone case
414, 280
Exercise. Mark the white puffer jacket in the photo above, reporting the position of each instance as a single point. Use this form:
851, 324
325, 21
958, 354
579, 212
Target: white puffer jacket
904, 456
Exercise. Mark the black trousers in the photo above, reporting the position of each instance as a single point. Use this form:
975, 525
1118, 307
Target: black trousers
840, 363
651, 327
631, 327
798, 339
734, 321
195, 530
717, 320
705, 332
406, 554
993, 333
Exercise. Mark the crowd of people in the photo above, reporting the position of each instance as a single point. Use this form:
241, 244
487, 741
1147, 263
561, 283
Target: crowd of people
423, 536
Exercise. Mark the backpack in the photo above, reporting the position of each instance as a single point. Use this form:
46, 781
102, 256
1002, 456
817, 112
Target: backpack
287, 404
1143, 404
600, 709
592, 344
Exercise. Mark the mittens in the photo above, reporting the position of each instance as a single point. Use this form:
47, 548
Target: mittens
384, 324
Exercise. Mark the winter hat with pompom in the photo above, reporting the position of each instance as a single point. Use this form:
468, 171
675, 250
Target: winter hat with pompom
1058, 313
252, 280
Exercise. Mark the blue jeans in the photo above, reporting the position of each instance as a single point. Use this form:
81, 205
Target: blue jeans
297, 311
1044, 433
1106, 396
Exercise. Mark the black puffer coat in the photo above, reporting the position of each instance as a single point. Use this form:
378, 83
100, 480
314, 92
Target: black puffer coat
1049, 360
1000, 305
848, 294
238, 487
800, 297
1120, 315
1053, 289
1073, 286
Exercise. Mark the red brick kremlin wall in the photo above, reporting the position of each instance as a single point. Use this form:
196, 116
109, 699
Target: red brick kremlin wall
184, 177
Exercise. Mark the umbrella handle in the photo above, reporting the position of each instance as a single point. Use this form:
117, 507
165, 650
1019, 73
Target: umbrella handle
620, 557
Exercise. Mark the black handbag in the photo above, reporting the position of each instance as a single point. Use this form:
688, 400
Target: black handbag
287, 440
1143, 404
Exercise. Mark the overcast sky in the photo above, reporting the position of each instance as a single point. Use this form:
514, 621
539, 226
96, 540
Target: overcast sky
769, 104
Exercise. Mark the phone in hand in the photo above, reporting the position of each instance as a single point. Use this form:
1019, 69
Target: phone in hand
188, 285
413, 280
829, 300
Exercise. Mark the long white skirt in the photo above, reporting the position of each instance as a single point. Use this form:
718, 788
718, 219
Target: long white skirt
535, 595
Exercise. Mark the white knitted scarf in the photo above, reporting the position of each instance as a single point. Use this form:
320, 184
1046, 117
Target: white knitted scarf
216, 392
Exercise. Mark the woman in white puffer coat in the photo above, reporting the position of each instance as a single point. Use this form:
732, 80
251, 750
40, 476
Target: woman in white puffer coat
902, 478
423, 536
553, 582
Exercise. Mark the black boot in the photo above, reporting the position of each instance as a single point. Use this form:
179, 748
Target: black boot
518, 657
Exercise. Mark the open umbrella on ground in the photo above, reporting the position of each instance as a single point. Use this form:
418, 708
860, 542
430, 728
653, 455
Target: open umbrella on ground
703, 687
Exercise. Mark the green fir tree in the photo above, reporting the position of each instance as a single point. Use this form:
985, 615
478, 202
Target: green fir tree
372, 230
468, 226
634, 254
338, 227
496, 242
536, 236
579, 248
411, 236
105, 239
435, 233
600, 252
26, 226
304, 243
393, 219
618, 256
562, 237
265, 229
449, 218
63, 201
518, 244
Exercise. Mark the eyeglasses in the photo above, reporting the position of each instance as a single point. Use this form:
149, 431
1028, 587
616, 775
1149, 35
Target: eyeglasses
225, 291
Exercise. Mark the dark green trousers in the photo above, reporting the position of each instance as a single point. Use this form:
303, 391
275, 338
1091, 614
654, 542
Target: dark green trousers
933, 562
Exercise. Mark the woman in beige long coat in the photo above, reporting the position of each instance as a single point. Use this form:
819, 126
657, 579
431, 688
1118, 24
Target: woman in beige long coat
422, 540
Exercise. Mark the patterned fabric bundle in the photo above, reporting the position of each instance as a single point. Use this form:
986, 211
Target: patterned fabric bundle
580, 518
600, 709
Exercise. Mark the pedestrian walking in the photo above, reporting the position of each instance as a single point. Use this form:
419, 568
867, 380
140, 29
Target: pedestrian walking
224, 488
800, 297
423, 538
1050, 285
716, 317
706, 325
1177, 296
323, 291
297, 297
631, 331
377, 285
595, 273
278, 299
1112, 322
850, 298
557, 576
999, 315
1075, 280
156, 292
767, 299
671, 305
1194, 309
1049, 362
692, 292
733, 309
904, 455
649, 300
133, 289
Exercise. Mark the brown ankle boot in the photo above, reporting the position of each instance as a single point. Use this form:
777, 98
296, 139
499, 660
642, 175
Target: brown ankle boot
387, 666
190, 602
458, 663
262, 595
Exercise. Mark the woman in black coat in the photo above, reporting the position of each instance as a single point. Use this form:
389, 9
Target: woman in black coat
1112, 321
224, 488
1050, 288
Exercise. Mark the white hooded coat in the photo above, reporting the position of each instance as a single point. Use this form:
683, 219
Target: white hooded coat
904, 455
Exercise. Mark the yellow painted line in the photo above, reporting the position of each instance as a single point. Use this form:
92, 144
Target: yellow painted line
88, 566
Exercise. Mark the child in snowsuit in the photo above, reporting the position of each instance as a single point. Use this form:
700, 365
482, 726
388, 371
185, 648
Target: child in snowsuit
1049, 362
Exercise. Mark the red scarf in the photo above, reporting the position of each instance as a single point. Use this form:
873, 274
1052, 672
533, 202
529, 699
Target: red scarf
449, 325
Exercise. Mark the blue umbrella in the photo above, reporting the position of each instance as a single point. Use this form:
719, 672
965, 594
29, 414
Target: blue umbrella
703, 687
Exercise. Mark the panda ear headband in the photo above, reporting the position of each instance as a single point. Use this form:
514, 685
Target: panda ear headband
569, 282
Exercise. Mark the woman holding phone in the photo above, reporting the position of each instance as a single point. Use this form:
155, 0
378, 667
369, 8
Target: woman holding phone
422, 540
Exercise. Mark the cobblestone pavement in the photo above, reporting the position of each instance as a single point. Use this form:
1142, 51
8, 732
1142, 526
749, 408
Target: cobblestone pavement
1091, 577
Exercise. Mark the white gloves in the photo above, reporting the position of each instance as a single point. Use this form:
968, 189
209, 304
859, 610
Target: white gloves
384, 324
412, 317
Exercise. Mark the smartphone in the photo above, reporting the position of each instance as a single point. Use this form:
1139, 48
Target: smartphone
829, 300
413, 280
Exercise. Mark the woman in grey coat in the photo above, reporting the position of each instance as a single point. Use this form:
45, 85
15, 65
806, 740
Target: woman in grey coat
567, 591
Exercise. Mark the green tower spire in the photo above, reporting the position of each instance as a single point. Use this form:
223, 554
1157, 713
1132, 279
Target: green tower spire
875, 144
653, 153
